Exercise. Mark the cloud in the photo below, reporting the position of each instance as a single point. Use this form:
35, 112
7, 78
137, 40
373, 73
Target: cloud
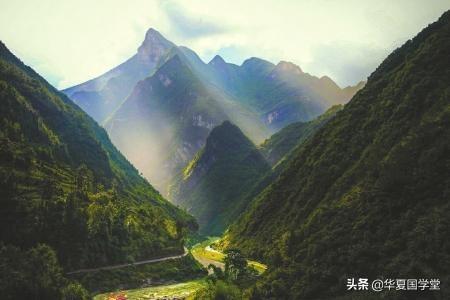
189, 26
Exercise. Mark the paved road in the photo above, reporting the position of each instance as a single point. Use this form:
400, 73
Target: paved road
142, 262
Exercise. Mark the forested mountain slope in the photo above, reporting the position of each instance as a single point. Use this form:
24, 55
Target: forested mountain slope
212, 187
63, 184
281, 143
368, 194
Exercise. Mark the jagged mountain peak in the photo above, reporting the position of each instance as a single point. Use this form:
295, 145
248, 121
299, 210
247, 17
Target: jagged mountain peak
153, 46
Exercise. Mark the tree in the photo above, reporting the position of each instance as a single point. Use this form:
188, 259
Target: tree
74, 291
235, 264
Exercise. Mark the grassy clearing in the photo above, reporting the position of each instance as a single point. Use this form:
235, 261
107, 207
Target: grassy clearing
178, 290
261, 268
199, 251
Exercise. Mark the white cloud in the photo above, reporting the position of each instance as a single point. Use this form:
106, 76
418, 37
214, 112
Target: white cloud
72, 41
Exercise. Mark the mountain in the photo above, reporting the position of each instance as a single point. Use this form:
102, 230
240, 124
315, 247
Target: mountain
367, 195
100, 96
258, 96
281, 143
66, 193
217, 185
168, 117
212, 185
280, 93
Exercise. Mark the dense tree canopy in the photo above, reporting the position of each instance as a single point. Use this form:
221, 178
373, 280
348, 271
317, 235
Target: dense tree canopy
368, 194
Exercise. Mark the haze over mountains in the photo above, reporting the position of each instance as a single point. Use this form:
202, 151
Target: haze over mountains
170, 90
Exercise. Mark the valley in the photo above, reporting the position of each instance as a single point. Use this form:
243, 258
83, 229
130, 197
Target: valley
204, 254
174, 177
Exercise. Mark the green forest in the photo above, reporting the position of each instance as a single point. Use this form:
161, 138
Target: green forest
225, 182
69, 198
368, 193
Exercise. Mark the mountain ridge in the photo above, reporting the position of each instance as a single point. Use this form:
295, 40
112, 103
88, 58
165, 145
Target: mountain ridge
258, 96
61, 174
361, 195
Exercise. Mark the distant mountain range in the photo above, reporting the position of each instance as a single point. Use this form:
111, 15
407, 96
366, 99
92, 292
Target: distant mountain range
168, 89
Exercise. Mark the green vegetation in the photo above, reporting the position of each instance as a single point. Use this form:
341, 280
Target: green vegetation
203, 254
213, 186
178, 291
231, 281
132, 277
367, 194
282, 93
199, 251
219, 289
64, 186
279, 145
35, 274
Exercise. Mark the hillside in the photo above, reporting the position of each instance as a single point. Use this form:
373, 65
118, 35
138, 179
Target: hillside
281, 93
367, 195
66, 189
168, 117
288, 138
212, 187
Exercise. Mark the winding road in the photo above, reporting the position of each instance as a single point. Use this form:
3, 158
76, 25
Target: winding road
136, 263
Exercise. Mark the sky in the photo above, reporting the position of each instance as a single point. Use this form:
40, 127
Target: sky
69, 42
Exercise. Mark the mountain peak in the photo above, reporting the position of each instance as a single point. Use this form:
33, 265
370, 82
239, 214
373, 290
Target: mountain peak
227, 137
153, 34
257, 65
254, 61
217, 61
228, 165
153, 46
289, 67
